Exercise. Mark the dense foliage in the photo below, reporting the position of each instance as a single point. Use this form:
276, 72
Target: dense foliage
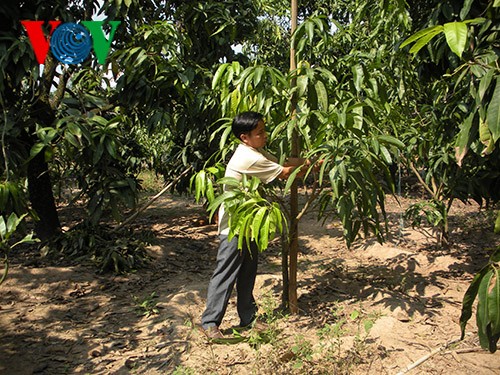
359, 100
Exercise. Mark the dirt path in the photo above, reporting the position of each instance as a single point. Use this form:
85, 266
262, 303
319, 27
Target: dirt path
373, 309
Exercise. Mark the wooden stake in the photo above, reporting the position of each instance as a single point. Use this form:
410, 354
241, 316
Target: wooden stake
294, 199
426, 357
150, 202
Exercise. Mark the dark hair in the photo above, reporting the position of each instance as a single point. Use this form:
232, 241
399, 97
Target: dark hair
245, 122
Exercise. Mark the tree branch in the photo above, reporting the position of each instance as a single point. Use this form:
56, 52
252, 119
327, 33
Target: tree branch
426, 357
314, 195
61, 87
168, 187
420, 179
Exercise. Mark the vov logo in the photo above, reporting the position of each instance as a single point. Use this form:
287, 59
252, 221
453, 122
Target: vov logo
70, 43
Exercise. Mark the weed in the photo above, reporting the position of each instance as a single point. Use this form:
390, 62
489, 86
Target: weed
7, 229
257, 337
303, 351
269, 305
148, 306
334, 354
330, 331
183, 370
149, 181
365, 320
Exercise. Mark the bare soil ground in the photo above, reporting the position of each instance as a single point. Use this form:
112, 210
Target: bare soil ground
372, 309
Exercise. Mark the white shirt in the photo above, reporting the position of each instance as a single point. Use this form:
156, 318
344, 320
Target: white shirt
248, 161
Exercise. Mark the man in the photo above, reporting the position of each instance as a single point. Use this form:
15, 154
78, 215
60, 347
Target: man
234, 266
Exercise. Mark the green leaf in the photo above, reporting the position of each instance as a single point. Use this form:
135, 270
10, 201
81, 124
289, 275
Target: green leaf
35, 150
485, 83
259, 71
468, 300
13, 222
391, 140
461, 145
98, 153
484, 132
482, 316
28, 239
375, 145
199, 185
264, 234
229, 181
465, 9
456, 36
244, 229
290, 179
386, 156
210, 193
493, 114
341, 167
497, 224
220, 199
368, 324
422, 42
3, 228
302, 82
309, 30
322, 95
358, 75
494, 304
235, 100
224, 137
433, 30
496, 4
475, 21
111, 148
218, 74
220, 29
358, 116
279, 218
257, 221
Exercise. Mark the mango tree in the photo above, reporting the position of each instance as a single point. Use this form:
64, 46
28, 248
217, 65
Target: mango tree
345, 115
93, 126
473, 41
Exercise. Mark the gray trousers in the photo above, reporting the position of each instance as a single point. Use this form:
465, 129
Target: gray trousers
233, 266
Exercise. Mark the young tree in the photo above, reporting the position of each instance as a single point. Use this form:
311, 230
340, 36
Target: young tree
346, 116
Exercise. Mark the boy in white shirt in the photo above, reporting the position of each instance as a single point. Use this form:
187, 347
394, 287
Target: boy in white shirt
234, 266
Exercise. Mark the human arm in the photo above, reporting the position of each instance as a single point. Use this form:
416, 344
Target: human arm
291, 164
294, 162
290, 167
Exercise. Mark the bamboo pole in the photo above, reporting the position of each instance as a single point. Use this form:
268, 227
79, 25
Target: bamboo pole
295, 151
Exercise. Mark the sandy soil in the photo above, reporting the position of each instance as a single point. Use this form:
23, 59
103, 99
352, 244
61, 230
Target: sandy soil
373, 309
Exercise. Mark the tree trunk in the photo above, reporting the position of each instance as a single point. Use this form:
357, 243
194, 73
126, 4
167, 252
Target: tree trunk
39, 182
42, 198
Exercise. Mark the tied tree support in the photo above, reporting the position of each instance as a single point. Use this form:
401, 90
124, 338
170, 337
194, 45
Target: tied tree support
293, 239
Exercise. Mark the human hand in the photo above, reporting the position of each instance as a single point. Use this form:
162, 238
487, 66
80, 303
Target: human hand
317, 165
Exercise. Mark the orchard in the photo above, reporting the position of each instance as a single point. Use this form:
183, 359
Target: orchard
113, 167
